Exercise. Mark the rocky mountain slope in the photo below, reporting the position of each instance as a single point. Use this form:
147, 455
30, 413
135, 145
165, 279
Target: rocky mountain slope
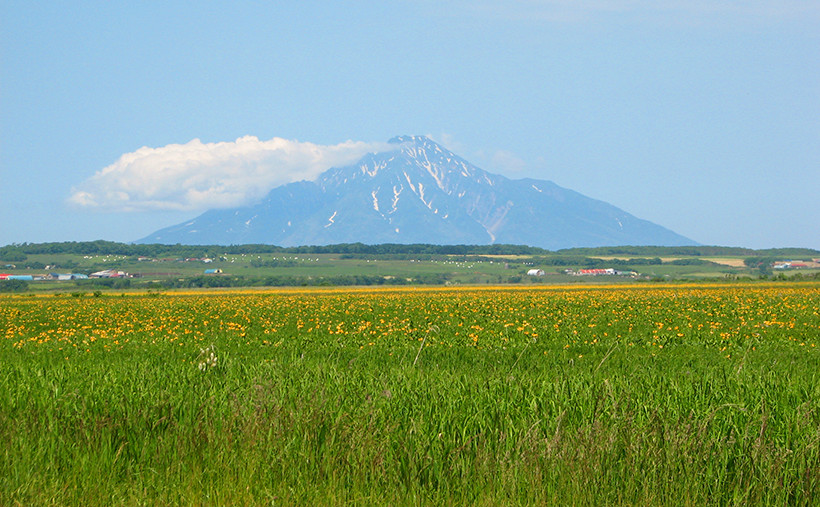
420, 193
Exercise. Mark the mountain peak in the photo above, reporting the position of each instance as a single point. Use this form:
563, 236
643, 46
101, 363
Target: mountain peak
416, 143
421, 193
409, 139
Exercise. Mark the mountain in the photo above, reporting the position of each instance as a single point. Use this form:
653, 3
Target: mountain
420, 193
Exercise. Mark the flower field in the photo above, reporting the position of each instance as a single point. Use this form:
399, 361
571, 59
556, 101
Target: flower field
676, 395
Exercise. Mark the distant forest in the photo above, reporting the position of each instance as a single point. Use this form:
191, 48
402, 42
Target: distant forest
19, 251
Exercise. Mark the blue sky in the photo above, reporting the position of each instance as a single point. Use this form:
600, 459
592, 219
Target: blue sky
119, 118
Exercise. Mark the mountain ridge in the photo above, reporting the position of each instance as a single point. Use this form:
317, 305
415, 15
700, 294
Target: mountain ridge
420, 193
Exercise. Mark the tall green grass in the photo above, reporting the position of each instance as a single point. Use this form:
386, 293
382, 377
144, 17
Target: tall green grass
318, 421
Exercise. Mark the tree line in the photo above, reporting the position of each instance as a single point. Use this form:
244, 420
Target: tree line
18, 252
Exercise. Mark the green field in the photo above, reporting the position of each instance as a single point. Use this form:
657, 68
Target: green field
169, 267
663, 395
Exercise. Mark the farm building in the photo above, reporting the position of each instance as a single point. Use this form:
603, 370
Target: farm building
109, 273
68, 276
536, 272
587, 272
789, 265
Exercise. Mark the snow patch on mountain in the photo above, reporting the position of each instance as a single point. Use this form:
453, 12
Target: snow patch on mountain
396, 194
421, 196
407, 177
330, 220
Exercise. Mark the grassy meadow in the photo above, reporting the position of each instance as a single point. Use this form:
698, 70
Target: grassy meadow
158, 267
604, 395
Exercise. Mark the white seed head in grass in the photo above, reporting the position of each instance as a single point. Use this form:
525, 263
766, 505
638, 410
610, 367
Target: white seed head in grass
207, 358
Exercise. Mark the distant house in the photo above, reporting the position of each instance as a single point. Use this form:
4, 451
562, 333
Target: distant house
536, 272
68, 276
109, 273
790, 265
595, 272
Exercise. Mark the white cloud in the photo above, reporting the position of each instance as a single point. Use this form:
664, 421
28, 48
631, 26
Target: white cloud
448, 141
502, 161
199, 176
508, 162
